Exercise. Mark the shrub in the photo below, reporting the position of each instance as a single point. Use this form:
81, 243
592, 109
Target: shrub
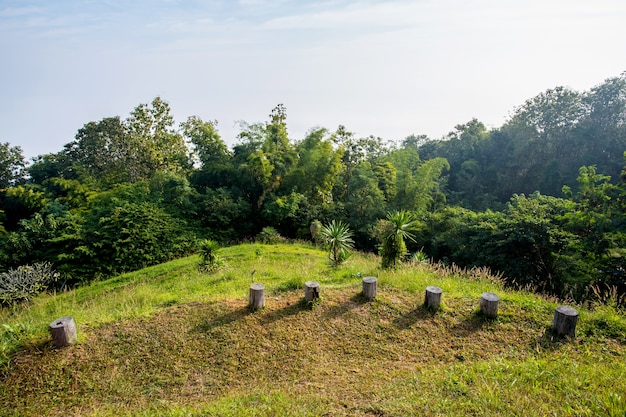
398, 226
22, 283
209, 259
338, 239
132, 236
269, 236
315, 228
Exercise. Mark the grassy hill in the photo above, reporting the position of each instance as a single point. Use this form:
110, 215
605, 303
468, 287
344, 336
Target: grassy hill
171, 341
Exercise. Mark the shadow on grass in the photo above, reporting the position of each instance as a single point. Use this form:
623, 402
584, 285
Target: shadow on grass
472, 323
343, 307
407, 320
547, 340
290, 310
223, 320
217, 280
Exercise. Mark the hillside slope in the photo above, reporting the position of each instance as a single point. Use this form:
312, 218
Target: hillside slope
171, 341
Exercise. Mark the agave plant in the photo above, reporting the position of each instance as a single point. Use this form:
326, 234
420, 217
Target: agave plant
338, 238
209, 259
398, 226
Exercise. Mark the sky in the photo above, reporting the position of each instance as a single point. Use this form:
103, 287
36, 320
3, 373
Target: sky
385, 68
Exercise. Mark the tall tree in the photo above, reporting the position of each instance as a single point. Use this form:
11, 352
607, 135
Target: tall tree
316, 170
210, 151
12, 165
100, 150
153, 143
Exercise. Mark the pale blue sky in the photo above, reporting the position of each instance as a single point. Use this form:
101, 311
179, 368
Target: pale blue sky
385, 68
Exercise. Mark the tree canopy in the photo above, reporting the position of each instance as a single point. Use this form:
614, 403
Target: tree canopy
541, 198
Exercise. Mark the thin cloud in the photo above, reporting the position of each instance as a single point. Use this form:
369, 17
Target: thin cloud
20, 11
360, 15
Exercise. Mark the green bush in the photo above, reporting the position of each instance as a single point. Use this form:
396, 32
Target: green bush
269, 236
132, 236
20, 284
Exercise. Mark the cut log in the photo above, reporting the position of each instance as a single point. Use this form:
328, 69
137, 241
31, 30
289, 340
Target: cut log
311, 290
370, 287
489, 304
432, 299
564, 323
257, 296
63, 331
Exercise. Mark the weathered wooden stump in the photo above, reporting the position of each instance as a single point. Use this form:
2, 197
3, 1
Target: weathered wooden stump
63, 331
370, 287
311, 290
564, 323
257, 296
432, 298
489, 304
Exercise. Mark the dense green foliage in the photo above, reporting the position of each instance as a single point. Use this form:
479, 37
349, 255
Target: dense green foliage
540, 199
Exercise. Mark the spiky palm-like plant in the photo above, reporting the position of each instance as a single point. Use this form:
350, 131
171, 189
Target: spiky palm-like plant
398, 226
338, 238
210, 260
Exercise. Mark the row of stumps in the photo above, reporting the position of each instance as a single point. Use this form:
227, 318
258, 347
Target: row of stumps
63, 330
563, 324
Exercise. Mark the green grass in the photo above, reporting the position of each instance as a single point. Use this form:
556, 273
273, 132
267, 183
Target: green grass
171, 341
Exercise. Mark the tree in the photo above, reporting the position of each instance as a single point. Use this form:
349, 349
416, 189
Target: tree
129, 235
152, 143
100, 151
317, 168
12, 165
420, 188
264, 156
209, 148
364, 203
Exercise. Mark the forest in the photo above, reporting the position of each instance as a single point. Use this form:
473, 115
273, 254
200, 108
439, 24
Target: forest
540, 200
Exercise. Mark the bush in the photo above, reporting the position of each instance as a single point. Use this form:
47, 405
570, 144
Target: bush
21, 284
338, 239
209, 259
269, 236
132, 236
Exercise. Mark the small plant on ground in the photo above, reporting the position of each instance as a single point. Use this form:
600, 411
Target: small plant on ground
420, 258
397, 227
269, 236
18, 285
338, 238
315, 228
209, 259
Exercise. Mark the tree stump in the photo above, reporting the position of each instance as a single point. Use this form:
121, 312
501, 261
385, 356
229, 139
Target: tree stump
433, 297
564, 323
257, 296
311, 290
489, 304
63, 331
370, 287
